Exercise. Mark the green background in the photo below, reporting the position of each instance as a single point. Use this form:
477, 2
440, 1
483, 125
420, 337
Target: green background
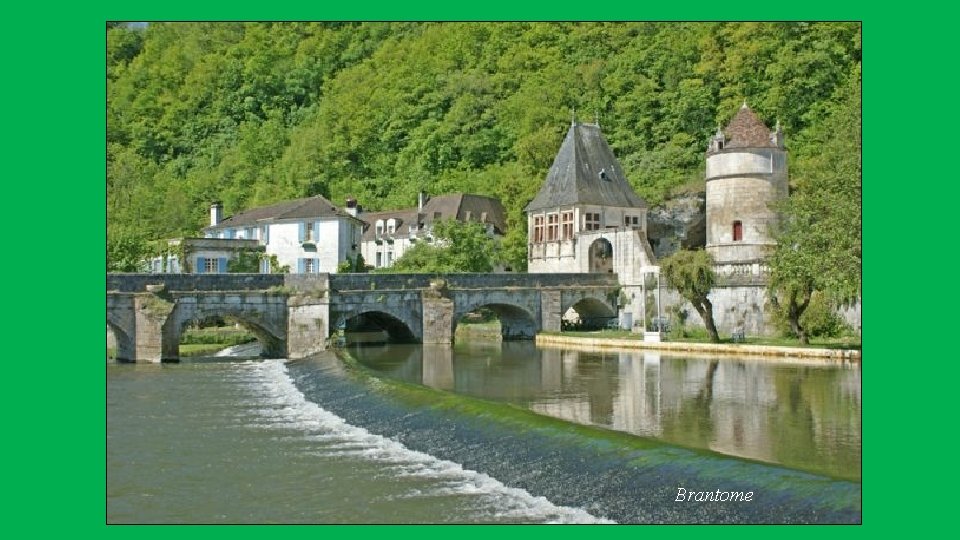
55, 180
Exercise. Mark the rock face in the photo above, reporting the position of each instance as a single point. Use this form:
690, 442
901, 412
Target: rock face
679, 223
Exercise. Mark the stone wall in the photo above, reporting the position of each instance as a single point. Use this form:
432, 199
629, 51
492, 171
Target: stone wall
194, 282
308, 323
742, 307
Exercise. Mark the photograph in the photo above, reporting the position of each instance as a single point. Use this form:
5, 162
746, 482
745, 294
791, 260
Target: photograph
481, 272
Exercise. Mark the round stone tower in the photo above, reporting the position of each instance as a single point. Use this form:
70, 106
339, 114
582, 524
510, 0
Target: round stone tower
746, 174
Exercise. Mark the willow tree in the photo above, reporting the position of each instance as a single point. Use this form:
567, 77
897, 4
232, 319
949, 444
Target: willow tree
691, 273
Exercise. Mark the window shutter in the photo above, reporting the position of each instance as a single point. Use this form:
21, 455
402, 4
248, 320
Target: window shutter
316, 231
201, 265
316, 266
222, 265
303, 231
301, 266
266, 234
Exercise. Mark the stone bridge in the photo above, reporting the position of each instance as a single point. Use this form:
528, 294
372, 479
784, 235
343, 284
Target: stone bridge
293, 315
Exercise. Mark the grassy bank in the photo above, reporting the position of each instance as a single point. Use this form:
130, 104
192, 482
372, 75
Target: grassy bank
844, 343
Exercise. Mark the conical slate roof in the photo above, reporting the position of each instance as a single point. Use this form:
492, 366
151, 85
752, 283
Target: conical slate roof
747, 131
585, 171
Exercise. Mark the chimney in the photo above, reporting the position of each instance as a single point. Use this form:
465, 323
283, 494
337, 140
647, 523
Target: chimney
421, 200
352, 208
216, 213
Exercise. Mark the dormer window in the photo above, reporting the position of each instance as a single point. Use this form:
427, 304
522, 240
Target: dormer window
603, 174
591, 221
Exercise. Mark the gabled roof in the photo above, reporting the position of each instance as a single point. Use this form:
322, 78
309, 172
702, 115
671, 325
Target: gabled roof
746, 130
585, 171
453, 206
307, 208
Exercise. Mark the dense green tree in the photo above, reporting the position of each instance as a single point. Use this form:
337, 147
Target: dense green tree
819, 239
691, 273
253, 113
457, 247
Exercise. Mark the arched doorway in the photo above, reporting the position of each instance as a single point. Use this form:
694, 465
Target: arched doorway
601, 256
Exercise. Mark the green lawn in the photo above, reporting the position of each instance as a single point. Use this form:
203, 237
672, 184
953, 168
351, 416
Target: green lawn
815, 343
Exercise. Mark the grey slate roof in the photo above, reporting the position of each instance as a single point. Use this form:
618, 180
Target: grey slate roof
574, 177
307, 208
453, 206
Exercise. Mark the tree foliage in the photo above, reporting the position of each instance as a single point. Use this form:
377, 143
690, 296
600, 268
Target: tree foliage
819, 238
253, 113
457, 247
691, 273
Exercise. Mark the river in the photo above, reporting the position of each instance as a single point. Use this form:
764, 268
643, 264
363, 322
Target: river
481, 434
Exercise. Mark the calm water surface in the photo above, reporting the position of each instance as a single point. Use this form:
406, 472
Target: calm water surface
798, 415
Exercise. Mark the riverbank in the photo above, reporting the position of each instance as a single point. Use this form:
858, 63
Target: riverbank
727, 349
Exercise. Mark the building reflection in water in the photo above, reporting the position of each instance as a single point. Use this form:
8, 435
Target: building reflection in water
805, 416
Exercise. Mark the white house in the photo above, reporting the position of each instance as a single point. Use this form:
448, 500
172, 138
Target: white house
309, 236
387, 235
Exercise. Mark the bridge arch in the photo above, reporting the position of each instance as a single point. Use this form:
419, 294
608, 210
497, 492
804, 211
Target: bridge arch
588, 309
516, 322
124, 338
270, 334
370, 321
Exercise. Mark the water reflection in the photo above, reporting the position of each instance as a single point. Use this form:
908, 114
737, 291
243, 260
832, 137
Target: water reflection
803, 416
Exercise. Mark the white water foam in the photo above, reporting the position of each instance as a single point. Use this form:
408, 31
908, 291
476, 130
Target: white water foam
243, 350
290, 409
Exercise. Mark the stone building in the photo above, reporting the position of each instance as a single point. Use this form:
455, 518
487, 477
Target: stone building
746, 174
586, 217
387, 235
309, 235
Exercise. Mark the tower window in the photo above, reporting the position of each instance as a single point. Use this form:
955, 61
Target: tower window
737, 231
553, 229
538, 229
566, 225
591, 221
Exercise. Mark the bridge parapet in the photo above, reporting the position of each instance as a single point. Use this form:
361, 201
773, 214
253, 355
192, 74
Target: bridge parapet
363, 282
194, 282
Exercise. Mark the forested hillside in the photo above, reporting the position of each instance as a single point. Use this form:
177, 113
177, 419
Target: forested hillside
254, 113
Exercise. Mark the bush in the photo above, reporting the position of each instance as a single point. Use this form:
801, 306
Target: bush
216, 336
820, 319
